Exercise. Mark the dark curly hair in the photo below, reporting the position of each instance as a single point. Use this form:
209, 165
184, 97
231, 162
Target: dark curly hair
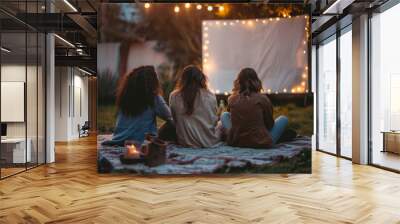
136, 91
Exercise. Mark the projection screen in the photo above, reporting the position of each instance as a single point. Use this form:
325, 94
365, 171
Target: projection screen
276, 48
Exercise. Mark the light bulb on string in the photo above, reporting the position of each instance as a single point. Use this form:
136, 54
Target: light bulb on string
199, 7
176, 9
146, 5
187, 5
221, 8
210, 8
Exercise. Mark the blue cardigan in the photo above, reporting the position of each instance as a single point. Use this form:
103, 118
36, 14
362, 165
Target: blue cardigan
135, 128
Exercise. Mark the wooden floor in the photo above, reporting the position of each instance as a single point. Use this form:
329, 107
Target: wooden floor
386, 159
71, 191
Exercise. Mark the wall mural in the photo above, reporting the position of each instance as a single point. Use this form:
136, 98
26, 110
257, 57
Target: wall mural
204, 89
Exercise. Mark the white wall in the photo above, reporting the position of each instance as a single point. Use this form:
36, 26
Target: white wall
71, 103
33, 127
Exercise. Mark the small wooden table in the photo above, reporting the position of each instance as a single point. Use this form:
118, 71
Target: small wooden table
391, 141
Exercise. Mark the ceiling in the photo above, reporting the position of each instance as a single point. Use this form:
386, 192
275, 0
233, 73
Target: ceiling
76, 21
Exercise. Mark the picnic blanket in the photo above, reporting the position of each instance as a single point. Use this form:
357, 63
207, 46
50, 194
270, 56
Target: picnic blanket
223, 159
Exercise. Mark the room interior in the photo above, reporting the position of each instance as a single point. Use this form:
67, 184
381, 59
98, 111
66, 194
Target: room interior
49, 90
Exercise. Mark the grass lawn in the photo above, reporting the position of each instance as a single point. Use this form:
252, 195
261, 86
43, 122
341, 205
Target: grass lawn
300, 118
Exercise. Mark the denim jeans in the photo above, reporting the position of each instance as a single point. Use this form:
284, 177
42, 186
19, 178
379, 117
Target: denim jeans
276, 131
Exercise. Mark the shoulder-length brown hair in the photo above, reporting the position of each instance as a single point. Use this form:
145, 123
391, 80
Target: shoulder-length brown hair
136, 91
189, 84
247, 82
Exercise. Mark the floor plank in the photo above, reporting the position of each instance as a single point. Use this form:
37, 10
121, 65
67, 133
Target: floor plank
71, 191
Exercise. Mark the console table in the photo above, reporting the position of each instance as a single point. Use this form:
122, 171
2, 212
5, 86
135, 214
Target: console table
391, 141
13, 150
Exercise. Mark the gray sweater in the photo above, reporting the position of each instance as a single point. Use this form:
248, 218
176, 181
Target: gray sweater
197, 130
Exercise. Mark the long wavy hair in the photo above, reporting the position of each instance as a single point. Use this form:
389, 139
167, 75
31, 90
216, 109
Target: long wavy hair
247, 82
136, 91
189, 84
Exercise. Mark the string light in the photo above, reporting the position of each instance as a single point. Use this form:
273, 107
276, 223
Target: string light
300, 88
210, 8
198, 7
226, 93
147, 5
176, 9
221, 8
187, 5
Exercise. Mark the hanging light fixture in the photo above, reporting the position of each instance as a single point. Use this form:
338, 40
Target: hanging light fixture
5, 50
70, 5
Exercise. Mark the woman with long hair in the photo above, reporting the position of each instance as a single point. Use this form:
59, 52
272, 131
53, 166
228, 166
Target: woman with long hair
249, 122
194, 109
139, 101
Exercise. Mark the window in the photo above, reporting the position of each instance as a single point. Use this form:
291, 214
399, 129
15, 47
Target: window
327, 96
22, 88
346, 94
385, 87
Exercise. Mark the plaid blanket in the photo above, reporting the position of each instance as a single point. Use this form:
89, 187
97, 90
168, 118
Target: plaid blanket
223, 159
